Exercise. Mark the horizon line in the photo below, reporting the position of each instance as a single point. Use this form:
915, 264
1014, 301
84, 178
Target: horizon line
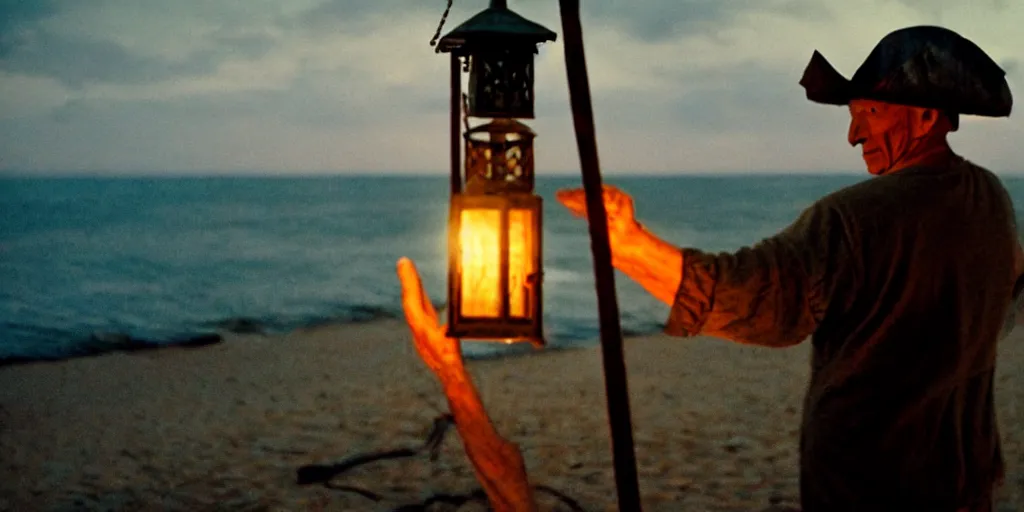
256, 173
253, 173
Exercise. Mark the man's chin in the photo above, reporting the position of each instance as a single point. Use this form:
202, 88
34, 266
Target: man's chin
875, 167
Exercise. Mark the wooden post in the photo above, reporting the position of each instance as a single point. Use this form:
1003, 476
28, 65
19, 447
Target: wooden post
616, 386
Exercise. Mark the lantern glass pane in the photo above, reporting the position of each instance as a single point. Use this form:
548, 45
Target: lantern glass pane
520, 261
479, 253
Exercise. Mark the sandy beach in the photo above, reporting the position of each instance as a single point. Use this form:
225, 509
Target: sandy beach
225, 427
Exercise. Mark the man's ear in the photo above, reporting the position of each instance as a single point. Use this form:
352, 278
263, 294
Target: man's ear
924, 121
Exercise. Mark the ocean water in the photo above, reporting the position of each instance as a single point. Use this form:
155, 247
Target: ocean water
89, 265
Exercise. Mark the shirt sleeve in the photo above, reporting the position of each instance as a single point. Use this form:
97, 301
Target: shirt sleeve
772, 294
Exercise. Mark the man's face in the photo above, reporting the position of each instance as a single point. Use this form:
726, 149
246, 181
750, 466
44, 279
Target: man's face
883, 130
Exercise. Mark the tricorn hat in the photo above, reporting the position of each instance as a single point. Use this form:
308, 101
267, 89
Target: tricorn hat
923, 66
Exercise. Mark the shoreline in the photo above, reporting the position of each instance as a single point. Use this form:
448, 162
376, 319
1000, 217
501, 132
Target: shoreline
101, 344
716, 425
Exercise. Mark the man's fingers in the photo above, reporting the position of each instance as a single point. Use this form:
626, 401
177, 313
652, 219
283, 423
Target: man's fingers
437, 350
569, 194
412, 303
573, 199
415, 302
410, 281
615, 201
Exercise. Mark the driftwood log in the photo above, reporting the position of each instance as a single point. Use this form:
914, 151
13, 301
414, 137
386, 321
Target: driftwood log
497, 462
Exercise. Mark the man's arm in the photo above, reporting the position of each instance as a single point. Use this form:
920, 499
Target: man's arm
772, 294
653, 263
498, 463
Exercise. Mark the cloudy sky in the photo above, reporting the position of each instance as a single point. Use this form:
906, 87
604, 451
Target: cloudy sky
308, 86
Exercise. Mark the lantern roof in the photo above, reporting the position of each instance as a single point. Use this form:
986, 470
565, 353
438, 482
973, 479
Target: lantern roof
493, 26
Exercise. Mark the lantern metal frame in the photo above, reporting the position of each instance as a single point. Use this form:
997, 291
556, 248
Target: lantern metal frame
499, 158
498, 46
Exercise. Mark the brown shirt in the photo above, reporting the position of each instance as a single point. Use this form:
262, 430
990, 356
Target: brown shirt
903, 282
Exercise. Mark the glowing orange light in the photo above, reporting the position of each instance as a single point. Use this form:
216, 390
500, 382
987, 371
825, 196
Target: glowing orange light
480, 247
480, 255
520, 261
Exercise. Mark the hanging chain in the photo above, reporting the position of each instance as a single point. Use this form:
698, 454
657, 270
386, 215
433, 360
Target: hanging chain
465, 97
465, 62
440, 25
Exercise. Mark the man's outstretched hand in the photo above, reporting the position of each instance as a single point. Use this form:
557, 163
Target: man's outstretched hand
617, 204
650, 261
498, 463
438, 351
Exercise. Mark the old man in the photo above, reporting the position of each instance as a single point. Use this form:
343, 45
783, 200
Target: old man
901, 282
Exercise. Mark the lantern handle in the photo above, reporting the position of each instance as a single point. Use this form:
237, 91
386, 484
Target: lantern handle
440, 25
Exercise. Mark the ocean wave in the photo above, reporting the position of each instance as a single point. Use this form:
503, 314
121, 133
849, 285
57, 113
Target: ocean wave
25, 342
97, 343
22, 342
276, 324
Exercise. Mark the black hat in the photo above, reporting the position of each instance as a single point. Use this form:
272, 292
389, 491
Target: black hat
924, 66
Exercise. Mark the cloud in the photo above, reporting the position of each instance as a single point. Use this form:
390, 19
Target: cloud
20, 13
352, 85
357, 15
936, 8
140, 42
250, 46
1010, 66
664, 20
252, 131
742, 99
76, 60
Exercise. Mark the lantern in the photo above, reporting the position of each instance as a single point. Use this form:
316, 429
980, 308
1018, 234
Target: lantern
494, 238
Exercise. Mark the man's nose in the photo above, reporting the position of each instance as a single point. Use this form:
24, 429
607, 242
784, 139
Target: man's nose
855, 135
